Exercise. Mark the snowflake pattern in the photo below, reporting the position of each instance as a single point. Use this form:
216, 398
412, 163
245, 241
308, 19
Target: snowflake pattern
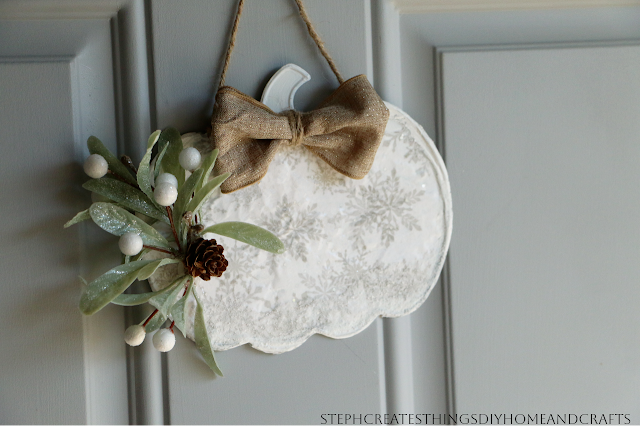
381, 206
295, 227
355, 250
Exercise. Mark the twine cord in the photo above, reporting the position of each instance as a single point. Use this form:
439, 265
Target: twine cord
310, 28
232, 43
316, 37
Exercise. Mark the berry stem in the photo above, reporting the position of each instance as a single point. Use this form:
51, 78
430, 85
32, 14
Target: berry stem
186, 286
171, 326
173, 228
126, 160
149, 318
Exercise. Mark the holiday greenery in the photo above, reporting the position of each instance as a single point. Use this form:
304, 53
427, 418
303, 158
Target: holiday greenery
171, 189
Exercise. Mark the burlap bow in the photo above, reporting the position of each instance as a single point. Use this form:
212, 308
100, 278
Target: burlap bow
345, 131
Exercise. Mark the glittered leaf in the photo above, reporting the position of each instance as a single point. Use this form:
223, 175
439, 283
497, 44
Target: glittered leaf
109, 285
148, 270
156, 322
97, 147
144, 177
127, 196
178, 312
207, 190
184, 195
207, 167
250, 234
118, 221
170, 162
202, 339
137, 299
165, 301
82, 216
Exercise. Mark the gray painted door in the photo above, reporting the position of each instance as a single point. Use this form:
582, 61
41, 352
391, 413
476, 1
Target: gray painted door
536, 112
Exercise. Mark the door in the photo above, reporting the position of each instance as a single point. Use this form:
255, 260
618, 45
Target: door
534, 111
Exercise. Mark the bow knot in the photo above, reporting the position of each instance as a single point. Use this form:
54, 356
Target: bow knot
345, 131
295, 123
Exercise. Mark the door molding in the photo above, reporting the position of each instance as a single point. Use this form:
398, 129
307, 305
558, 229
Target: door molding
429, 6
105, 44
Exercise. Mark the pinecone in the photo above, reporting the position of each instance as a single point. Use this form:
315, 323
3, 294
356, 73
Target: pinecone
204, 259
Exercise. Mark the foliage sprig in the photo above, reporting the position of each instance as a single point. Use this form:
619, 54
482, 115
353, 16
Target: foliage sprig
160, 191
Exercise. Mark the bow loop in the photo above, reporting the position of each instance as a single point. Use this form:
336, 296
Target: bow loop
345, 131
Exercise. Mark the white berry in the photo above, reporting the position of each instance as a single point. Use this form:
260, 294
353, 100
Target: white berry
165, 194
96, 166
134, 335
130, 243
190, 159
167, 177
164, 340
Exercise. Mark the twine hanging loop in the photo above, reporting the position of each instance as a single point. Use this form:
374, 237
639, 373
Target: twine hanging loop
310, 28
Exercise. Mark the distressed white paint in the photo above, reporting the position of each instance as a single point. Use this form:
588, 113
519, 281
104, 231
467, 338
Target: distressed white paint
281, 88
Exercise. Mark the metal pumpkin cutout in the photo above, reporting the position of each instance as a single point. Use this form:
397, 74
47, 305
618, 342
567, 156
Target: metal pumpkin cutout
355, 249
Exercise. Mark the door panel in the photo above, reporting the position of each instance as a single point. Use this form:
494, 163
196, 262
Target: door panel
544, 158
536, 113
39, 315
58, 86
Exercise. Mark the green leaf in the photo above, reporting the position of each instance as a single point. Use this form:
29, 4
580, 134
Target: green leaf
138, 299
97, 147
82, 216
206, 191
156, 322
148, 270
184, 195
177, 312
207, 167
140, 255
109, 285
158, 163
127, 196
202, 340
165, 302
144, 178
118, 221
170, 162
250, 234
